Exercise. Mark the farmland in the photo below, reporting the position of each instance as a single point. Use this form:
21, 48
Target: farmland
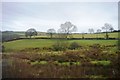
92, 59
33, 43
76, 35
61, 58
60, 40
98, 35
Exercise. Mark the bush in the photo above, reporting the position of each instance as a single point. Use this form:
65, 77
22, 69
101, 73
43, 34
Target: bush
95, 46
74, 45
94, 52
60, 46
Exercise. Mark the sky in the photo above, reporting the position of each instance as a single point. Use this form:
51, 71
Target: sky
20, 16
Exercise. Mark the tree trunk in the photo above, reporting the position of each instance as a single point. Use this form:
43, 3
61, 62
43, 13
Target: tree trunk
51, 35
107, 36
67, 35
82, 36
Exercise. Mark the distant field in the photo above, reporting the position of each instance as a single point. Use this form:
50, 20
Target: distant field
32, 43
22, 34
102, 35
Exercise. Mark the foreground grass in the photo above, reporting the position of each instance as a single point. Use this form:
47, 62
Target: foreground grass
33, 43
68, 64
105, 63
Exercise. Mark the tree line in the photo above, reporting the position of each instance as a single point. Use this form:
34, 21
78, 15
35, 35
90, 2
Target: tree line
67, 28
107, 28
65, 31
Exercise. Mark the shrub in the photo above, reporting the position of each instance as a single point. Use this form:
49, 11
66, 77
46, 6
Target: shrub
74, 45
60, 46
47, 48
94, 52
96, 46
74, 56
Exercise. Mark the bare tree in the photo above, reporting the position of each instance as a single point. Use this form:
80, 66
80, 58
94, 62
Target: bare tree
106, 27
91, 30
67, 28
31, 32
51, 32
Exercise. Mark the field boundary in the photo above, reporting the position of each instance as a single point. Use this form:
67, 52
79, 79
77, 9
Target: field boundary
65, 39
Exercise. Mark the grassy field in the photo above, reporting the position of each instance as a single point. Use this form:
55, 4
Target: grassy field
90, 61
100, 35
33, 43
37, 58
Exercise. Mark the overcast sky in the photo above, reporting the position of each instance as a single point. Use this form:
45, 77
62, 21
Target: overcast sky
44, 15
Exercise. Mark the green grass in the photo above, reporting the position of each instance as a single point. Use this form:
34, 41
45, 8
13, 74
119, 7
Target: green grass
41, 62
68, 63
96, 77
33, 43
102, 35
26, 43
55, 62
90, 42
104, 63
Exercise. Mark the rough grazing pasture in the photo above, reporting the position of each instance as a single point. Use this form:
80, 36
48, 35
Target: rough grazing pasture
32, 43
34, 58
